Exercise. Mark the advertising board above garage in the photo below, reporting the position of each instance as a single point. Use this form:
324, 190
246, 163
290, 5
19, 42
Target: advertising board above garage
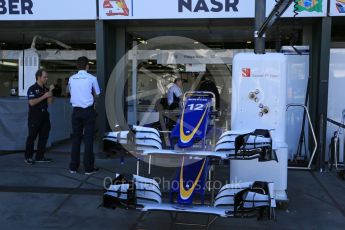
188, 9
48, 10
155, 9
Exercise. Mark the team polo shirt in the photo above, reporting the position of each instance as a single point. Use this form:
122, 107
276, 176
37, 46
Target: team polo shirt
82, 86
36, 91
173, 90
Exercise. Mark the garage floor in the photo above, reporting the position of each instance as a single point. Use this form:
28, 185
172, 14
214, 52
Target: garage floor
47, 196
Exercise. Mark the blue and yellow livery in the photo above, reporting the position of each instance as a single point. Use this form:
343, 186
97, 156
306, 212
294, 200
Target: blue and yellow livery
193, 124
192, 128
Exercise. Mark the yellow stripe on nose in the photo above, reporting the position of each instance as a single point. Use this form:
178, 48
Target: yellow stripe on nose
185, 194
186, 138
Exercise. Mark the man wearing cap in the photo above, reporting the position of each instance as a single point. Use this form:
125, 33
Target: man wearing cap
83, 88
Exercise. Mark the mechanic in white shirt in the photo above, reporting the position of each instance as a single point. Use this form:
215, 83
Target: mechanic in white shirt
175, 94
83, 89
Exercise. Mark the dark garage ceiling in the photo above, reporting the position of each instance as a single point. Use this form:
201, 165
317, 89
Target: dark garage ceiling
222, 33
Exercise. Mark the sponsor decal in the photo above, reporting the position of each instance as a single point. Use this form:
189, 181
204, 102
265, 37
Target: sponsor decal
308, 5
340, 5
116, 7
246, 72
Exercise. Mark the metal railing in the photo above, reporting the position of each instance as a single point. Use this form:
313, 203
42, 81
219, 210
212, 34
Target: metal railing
313, 133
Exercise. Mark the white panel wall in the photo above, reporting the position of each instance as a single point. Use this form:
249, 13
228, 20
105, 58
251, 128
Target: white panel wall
267, 75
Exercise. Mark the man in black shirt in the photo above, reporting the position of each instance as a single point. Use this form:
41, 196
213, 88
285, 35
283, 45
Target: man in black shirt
207, 85
38, 120
57, 92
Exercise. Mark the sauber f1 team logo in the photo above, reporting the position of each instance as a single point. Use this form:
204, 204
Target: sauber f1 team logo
245, 72
116, 7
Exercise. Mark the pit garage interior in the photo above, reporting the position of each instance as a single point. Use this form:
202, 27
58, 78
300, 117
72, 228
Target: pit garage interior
106, 42
109, 41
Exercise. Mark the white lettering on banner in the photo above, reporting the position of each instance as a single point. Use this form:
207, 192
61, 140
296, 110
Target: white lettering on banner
15, 7
213, 6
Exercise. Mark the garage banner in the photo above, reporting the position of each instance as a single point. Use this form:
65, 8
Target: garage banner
48, 10
154, 9
337, 8
184, 9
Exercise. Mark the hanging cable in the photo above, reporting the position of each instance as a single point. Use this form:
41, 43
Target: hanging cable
295, 8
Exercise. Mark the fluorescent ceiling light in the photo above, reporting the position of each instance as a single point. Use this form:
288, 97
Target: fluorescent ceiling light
5, 63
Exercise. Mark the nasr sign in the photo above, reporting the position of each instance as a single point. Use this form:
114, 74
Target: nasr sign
207, 6
178, 9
